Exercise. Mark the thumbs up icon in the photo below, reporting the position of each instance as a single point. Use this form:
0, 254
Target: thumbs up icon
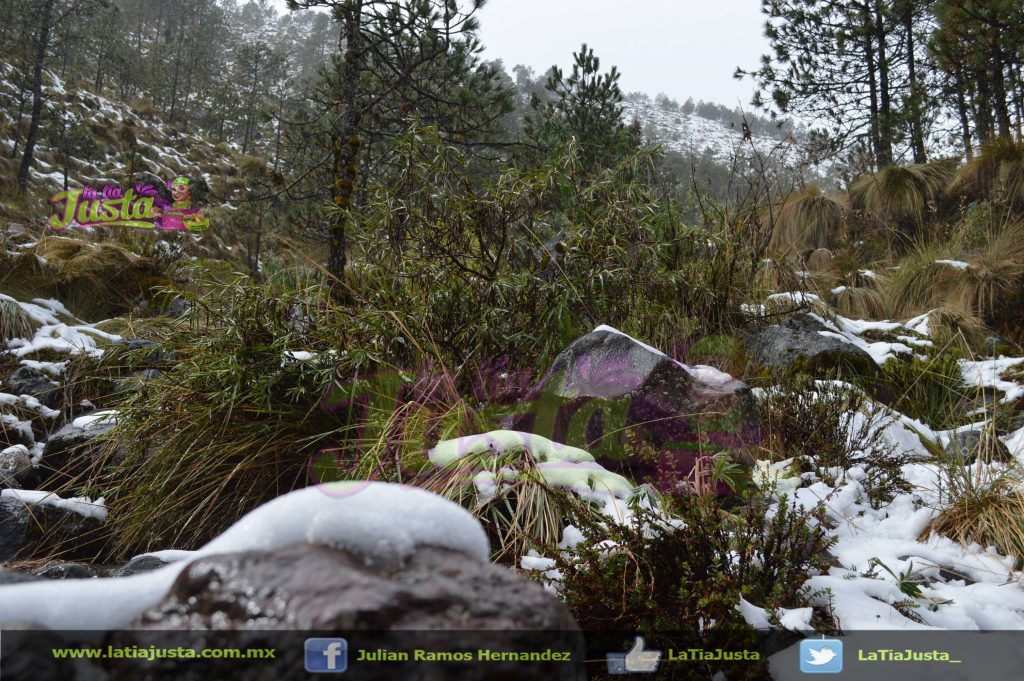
634, 660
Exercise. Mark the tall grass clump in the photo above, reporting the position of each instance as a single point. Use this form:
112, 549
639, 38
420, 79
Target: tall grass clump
902, 198
995, 174
980, 503
983, 283
95, 280
14, 321
809, 219
228, 424
930, 389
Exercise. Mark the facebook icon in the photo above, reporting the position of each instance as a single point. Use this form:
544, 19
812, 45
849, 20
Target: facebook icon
326, 655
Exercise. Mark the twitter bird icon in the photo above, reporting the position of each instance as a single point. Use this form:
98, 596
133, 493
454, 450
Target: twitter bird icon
821, 656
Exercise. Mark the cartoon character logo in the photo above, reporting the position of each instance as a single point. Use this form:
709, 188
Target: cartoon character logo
181, 213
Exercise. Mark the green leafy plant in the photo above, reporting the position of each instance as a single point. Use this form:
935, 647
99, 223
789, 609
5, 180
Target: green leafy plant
678, 577
830, 426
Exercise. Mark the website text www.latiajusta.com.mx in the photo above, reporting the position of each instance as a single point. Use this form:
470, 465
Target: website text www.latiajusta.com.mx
161, 653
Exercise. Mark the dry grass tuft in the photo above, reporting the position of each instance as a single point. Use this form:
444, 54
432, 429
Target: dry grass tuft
14, 321
902, 198
996, 173
809, 220
985, 508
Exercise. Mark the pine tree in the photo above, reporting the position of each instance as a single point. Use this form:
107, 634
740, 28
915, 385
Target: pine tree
587, 106
858, 65
400, 59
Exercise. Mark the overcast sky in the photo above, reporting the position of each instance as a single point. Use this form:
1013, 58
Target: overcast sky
685, 48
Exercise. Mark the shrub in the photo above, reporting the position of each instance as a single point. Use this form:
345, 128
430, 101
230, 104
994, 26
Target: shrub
678, 579
522, 264
830, 427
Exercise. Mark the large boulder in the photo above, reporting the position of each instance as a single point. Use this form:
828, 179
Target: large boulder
72, 450
33, 529
638, 411
28, 380
436, 600
803, 343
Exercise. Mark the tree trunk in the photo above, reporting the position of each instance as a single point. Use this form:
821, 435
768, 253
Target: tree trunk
869, 58
965, 122
884, 97
345, 166
46, 18
999, 97
916, 122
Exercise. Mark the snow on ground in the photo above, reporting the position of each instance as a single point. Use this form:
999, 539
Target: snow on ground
987, 373
83, 506
378, 521
55, 334
890, 535
104, 417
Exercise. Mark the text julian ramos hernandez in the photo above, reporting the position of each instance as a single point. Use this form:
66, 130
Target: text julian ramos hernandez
418, 655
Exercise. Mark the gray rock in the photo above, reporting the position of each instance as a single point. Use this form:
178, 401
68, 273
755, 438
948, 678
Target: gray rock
31, 381
14, 431
175, 307
969, 445
138, 565
28, 530
144, 354
66, 571
797, 344
607, 392
133, 344
443, 600
16, 468
819, 259
71, 451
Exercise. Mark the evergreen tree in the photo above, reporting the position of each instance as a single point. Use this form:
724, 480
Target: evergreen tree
587, 106
401, 59
856, 64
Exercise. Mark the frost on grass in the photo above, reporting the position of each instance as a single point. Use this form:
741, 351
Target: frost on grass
378, 521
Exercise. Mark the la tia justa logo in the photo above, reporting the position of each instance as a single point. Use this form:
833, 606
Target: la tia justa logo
143, 206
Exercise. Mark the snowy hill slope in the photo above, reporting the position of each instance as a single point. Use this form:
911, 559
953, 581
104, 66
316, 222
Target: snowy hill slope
693, 135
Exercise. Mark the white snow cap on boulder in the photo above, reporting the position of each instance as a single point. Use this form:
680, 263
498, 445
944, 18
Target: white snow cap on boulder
702, 372
376, 520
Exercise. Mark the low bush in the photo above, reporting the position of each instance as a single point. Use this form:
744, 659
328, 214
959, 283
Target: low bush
831, 427
678, 579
